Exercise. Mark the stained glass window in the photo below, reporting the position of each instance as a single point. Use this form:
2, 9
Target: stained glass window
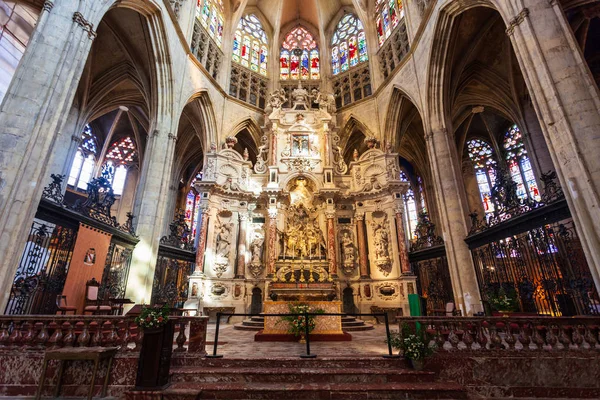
85, 160
210, 14
519, 165
388, 14
299, 57
410, 206
482, 157
348, 45
119, 157
250, 45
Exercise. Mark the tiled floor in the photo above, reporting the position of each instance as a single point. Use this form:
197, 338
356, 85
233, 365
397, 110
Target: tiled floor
241, 344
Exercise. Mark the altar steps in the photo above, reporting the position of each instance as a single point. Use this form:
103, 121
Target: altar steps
310, 379
349, 324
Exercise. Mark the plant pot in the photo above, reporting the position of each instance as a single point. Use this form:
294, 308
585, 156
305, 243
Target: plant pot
302, 338
417, 365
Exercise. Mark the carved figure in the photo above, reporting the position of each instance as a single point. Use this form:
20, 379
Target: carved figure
224, 239
300, 95
256, 247
340, 165
277, 98
261, 163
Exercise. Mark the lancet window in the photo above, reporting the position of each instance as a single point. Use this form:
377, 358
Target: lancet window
482, 157
520, 165
210, 13
85, 160
191, 210
250, 46
388, 14
299, 57
411, 217
348, 45
120, 156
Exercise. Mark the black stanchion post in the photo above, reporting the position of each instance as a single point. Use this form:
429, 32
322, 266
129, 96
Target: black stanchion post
214, 354
307, 334
389, 343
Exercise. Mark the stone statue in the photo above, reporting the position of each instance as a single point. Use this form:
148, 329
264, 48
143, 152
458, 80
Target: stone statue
300, 95
224, 239
256, 249
277, 99
260, 167
382, 242
340, 165
326, 101
348, 253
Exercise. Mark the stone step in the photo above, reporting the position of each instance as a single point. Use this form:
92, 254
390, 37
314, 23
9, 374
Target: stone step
257, 319
314, 391
253, 323
242, 327
363, 327
299, 375
295, 362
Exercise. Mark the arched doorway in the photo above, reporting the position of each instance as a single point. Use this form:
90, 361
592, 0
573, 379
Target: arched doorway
256, 304
348, 301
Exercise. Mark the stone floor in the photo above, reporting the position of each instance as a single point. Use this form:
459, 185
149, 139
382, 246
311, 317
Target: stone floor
241, 344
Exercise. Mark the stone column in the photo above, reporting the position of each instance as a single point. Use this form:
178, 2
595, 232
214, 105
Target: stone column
565, 97
273, 149
449, 190
402, 250
201, 232
362, 246
33, 112
241, 255
331, 253
151, 205
272, 241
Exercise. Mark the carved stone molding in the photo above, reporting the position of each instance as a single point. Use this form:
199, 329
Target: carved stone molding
173, 137
517, 21
48, 5
87, 26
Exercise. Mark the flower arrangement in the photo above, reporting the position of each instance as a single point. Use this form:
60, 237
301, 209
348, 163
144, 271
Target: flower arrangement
297, 323
414, 345
153, 317
503, 300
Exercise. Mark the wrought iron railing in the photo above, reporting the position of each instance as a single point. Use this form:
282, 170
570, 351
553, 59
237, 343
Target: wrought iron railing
509, 334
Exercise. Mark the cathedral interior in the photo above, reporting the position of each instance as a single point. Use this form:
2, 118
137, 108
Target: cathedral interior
396, 158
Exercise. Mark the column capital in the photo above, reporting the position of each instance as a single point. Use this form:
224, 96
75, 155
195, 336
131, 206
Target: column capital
330, 214
48, 5
87, 26
243, 216
360, 216
516, 21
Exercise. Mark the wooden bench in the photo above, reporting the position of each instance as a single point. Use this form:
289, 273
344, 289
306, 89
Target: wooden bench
95, 354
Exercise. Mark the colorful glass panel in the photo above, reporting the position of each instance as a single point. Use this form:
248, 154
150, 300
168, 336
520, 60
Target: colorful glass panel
253, 42
481, 155
519, 165
388, 14
122, 151
349, 45
306, 64
210, 13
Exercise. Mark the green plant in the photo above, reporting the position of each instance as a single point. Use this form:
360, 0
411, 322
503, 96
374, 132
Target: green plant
297, 323
414, 344
503, 300
153, 317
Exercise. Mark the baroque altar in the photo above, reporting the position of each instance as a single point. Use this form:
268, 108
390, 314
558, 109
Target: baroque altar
308, 220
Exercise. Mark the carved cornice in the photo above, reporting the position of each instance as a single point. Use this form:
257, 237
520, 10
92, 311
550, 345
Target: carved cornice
87, 26
517, 21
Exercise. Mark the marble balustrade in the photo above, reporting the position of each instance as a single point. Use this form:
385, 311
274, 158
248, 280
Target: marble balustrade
510, 334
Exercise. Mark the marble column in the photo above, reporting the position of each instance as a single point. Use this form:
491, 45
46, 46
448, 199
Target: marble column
362, 246
332, 254
402, 250
272, 242
241, 255
32, 114
202, 230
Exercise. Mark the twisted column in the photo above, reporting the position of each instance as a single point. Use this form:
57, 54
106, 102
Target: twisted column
331, 253
402, 251
241, 255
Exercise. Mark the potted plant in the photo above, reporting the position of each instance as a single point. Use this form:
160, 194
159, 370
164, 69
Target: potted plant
157, 346
297, 323
503, 301
414, 345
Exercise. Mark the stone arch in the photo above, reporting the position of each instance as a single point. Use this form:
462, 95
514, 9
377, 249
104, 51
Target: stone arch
249, 136
352, 137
